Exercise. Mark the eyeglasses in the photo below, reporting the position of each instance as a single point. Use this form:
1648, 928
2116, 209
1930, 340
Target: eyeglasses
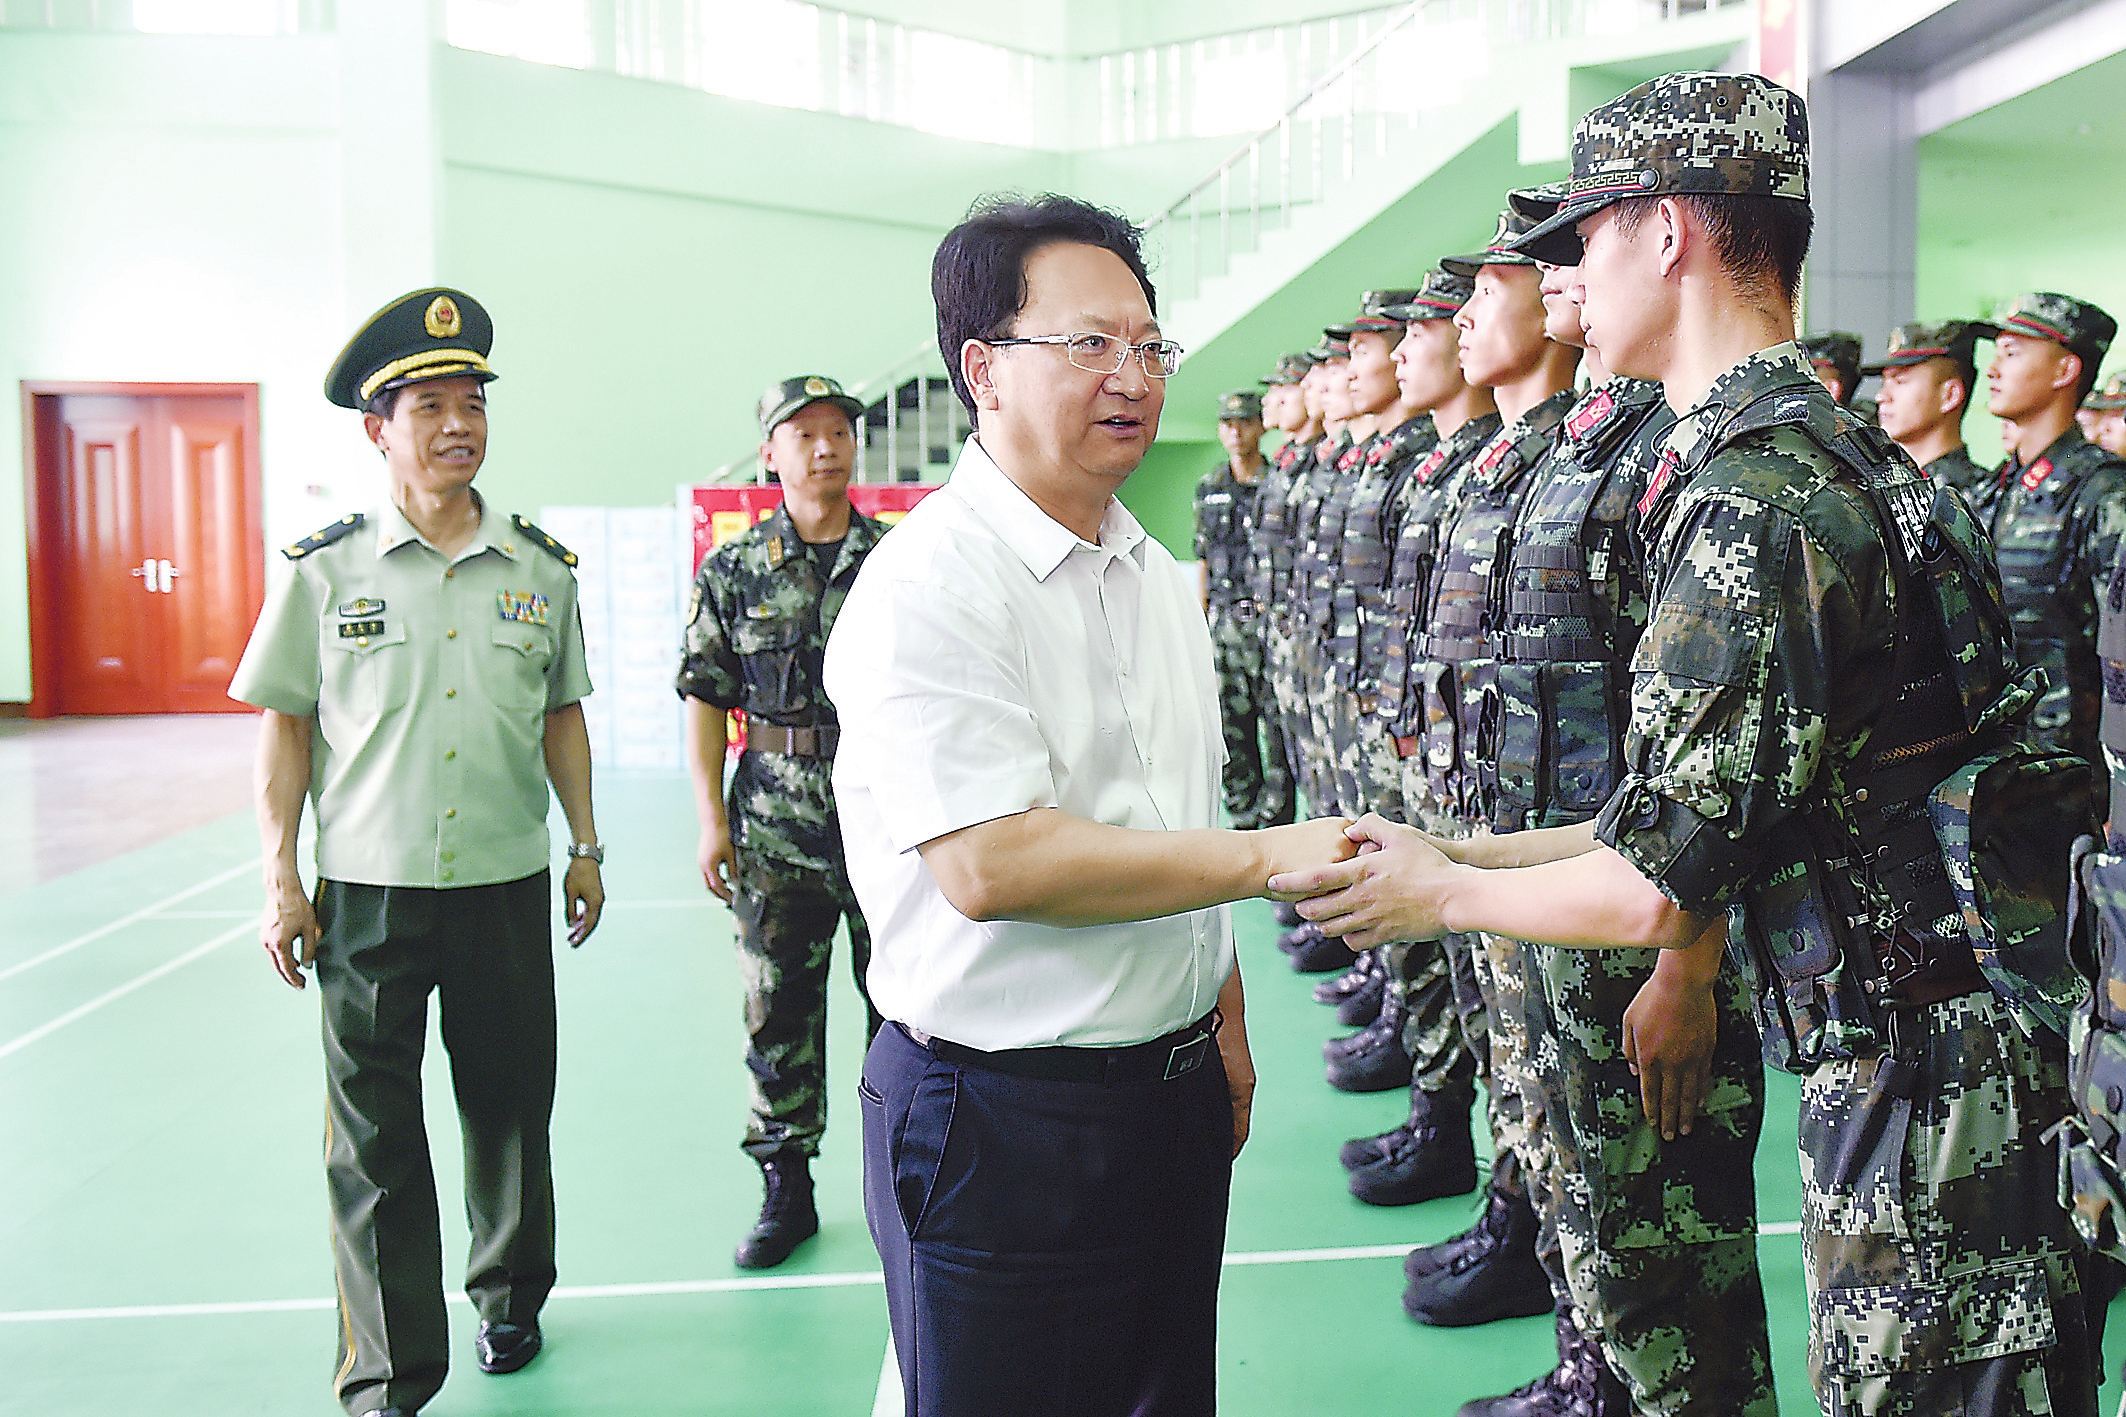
1105, 354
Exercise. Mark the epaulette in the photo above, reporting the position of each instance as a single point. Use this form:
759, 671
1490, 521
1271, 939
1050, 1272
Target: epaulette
320, 539
547, 544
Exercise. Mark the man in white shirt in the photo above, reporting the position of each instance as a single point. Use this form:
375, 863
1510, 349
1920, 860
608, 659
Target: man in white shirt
1027, 776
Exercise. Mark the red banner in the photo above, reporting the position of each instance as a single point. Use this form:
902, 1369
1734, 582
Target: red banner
1779, 49
723, 511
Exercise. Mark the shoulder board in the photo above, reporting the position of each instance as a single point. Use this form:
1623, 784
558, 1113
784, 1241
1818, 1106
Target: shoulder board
323, 537
546, 543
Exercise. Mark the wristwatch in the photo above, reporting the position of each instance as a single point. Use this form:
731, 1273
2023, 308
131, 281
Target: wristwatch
586, 851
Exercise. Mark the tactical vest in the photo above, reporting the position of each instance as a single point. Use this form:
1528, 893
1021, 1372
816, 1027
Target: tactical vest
1280, 528
1454, 662
1562, 691
1225, 525
1361, 606
1270, 542
1427, 494
1308, 500
1328, 559
1865, 907
2111, 665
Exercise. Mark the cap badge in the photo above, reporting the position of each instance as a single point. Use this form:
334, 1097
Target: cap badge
442, 321
816, 388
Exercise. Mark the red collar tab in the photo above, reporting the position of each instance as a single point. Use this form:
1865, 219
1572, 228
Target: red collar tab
1495, 454
2039, 471
1669, 463
1589, 414
1350, 457
1431, 464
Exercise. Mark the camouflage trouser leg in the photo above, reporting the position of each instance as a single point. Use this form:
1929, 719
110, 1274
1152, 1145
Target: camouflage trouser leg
1258, 786
1942, 1274
1379, 771
1519, 1123
1298, 725
786, 918
1322, 696
1659, 1238
1432, 1025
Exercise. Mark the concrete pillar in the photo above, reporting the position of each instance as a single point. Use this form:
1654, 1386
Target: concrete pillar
1864, 165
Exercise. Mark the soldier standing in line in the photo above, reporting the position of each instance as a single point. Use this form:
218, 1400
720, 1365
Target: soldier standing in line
1284, 407
771, 844
421, 669
2061, 505
1797, 696
1835, 359
2109, 403
1284, 533
1927, 381
1257, 784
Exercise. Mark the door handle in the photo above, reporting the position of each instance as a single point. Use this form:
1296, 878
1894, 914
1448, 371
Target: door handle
151, 579
169, 575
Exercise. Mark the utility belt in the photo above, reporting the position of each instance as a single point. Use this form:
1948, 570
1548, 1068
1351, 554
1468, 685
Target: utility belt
792, 742
1166, 1059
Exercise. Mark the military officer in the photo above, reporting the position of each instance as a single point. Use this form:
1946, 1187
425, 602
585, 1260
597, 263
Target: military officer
1927, 381
771, 844
1257, 782
1796, 696
2061, 507
421, 669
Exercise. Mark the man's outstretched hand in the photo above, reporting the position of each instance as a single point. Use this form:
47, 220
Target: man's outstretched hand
1307, 846
1392, 889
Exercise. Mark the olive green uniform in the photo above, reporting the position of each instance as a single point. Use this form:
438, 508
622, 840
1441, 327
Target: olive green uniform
428, 679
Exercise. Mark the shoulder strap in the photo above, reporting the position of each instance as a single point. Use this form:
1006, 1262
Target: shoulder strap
545, 543
323, 537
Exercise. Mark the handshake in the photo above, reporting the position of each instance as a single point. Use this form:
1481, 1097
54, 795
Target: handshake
1368, 881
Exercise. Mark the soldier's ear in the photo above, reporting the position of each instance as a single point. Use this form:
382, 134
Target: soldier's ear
2068, 372
1672, 232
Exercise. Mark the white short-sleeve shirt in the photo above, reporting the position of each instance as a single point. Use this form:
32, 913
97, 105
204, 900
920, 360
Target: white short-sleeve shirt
987, 662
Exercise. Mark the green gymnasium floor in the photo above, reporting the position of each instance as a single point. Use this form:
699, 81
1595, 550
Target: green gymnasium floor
162, 1244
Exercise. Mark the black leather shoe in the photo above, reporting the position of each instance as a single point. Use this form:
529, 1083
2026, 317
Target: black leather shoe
1373, 1059
1322, 955
1580, 1386
1344, 985
504, 1348
1497, 1277
787, 1218
1428, 1157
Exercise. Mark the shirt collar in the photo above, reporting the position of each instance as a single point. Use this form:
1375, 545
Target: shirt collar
393, 530
1748, 380
1038, 539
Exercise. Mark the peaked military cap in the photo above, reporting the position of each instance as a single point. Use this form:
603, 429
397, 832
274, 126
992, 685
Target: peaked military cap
1690, 134
1537, 204
1949, 339
784, 401
1501, 252
1373, 309
436, 333
1441, 297
1291, 368
1239, 406
1838, 348
2082, 328
2111, 396
1335, 344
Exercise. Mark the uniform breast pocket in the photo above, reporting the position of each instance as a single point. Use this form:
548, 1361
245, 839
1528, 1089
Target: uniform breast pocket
366, 676
772, 651
517, 662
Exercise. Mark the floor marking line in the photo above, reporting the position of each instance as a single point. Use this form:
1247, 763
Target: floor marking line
108, 996
208, 915
849, 1279
124, 920
704, 903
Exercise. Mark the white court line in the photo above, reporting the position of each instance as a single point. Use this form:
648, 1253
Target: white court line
124, 920
850, 1279
45, 1030
208, 915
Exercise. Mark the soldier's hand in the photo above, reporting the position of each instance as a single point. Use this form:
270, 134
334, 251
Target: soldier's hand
582, 899
718, 861
289, 930
1392, 889
1669, 1034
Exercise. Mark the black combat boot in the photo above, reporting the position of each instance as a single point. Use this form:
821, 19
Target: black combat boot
1305, 933
1322, 955
1428, 1157
1344, 985
787, 1218
1488, 1274
1286, 912
1580, 1386
1372, 1059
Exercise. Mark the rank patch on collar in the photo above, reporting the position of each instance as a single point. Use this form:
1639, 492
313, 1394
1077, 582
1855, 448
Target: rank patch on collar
1590, 413
521, 606
1431, 464
2039, 471
364, 606
1669, 463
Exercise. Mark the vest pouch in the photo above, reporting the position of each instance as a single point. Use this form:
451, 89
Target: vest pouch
1807, 1000
1519, 735
2093, 1141
2007, 822
1440, 686
1581, 735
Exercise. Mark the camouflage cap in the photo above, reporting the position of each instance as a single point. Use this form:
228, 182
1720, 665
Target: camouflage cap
1537, 204
1950, 339
1838, 348
784, 401
1441, 297
1291, 368
1691, 134
1500, 252
1335, 344
1239, 406
2111, 396
2082, 328
1373, 311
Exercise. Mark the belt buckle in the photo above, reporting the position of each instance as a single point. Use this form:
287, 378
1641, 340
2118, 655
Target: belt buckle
1187, 1057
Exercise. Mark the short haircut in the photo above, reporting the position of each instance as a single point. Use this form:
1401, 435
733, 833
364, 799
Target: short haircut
1759, 239
385, 401
978, 277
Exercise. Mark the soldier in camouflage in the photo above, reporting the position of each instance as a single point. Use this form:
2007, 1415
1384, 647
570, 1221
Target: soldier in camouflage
1927, 381
771, 847
1258, 785
2061, 506
2109, 406
1796, 696
1285, 408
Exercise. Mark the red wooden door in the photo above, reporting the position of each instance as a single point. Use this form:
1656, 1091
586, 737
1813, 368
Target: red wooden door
146, 547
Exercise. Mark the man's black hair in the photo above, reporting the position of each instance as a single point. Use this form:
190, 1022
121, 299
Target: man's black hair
978, 277
1757, 237
384, 402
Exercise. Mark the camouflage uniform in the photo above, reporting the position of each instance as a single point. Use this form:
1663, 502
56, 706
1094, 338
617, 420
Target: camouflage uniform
1258, 784
1955, 341
1362, 612
2056, 526
1312, 504
756, 631
1335, 732
1657, 1238
1281, 501
1957, 468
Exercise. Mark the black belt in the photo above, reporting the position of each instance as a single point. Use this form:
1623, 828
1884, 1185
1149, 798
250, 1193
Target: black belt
793, 742
1162, 1060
